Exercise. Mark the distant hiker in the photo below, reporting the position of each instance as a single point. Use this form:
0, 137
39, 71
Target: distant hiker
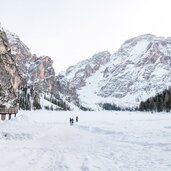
76, 119
70, 120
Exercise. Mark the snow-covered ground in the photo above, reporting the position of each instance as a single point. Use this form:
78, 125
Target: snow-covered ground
100, 141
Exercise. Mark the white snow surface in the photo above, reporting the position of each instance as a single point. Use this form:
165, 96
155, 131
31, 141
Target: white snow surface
100, 141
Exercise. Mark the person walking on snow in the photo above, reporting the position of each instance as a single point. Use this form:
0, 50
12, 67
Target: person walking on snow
70, 120
76, 119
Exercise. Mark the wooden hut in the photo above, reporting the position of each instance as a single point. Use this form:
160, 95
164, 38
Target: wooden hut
7, 111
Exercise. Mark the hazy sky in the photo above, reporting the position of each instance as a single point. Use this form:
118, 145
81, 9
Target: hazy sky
72, 30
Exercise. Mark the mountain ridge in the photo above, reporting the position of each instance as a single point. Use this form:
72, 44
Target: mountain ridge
136, 71
140, 68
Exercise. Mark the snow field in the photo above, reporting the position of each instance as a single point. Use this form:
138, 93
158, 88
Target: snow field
100, 141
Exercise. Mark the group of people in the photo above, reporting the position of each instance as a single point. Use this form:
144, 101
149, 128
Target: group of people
71, 120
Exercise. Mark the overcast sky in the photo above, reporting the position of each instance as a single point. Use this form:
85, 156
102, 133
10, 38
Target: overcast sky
72, 30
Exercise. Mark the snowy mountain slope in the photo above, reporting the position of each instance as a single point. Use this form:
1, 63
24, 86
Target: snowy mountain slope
80, 72
75, 76
138, 70
100, 141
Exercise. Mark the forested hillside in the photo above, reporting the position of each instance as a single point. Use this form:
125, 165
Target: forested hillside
160, 102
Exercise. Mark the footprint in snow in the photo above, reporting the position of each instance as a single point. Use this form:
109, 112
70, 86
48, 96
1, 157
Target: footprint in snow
84, 166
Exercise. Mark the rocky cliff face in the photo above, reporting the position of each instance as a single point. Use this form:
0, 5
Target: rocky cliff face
35, 75
138, 70
10, 78
21, 53
42, 74
76, 76
37, 71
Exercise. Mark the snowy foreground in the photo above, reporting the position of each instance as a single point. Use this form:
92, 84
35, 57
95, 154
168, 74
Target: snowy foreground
100, 141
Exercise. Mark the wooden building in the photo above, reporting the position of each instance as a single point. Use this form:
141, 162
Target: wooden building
4, 111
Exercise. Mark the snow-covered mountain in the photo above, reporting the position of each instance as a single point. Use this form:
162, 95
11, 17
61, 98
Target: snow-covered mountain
26, 77
76, 76
138, 70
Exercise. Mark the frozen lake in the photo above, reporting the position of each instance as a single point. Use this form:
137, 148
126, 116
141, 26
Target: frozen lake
100, 141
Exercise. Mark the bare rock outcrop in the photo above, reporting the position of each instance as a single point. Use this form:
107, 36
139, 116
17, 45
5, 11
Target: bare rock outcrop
38, 75
42, 74
10, 79
37, 71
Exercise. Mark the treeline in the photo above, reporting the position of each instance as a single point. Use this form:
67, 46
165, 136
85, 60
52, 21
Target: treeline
114, 107
85, 108
109, 106
58, 102
24, 97
160, 102
29, 99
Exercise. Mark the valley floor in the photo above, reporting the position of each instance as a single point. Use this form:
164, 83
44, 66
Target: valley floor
100, 141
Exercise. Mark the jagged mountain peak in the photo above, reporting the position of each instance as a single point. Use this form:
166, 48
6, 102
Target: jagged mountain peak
88, 65
145, 38
148, 36
16, 43
99, 56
